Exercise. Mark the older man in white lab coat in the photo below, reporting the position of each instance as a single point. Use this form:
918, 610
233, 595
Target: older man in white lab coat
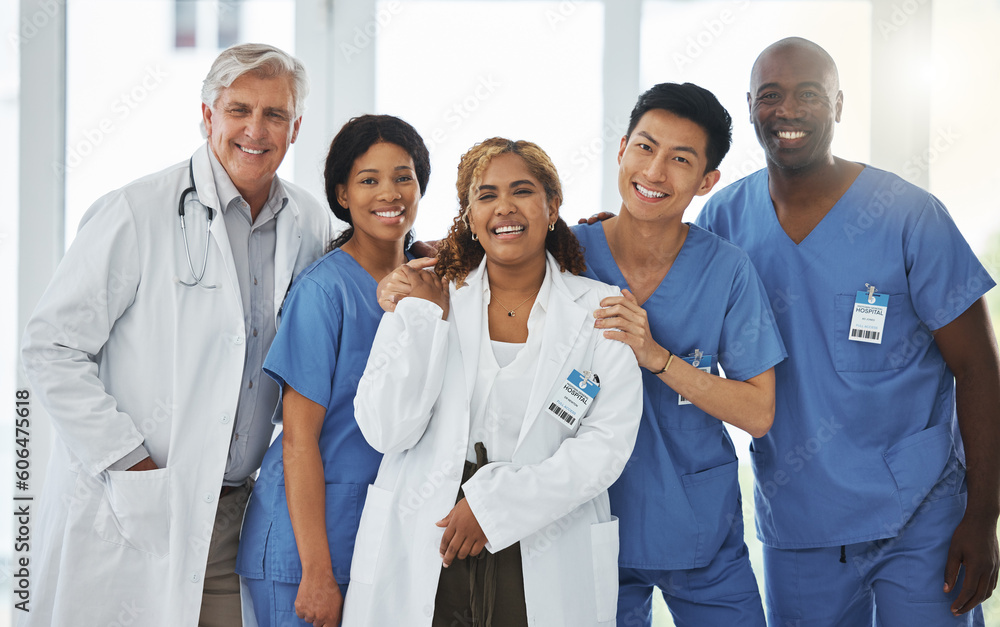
146, 350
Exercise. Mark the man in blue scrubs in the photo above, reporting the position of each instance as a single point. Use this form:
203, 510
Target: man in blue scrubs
868, 503
691, 302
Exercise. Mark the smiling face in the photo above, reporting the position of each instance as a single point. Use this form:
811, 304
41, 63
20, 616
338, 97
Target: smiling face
250, 128
795, 101
661, 166
381, 193
510, 213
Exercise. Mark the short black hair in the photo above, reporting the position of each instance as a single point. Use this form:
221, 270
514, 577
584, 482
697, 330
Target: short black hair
353, 140
694, 103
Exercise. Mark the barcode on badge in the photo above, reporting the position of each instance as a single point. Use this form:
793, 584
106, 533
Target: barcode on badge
867, 335
564, 415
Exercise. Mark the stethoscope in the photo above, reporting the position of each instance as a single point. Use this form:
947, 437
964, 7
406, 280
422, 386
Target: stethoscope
198, 276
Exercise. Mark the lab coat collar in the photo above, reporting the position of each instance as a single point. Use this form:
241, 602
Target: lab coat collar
288, 231
226, 191
565, 321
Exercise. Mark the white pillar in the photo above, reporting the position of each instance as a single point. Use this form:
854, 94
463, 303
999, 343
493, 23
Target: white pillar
901, 97
622, 20
42, 153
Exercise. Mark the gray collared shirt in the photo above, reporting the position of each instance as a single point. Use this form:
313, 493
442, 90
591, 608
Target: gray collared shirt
253, 244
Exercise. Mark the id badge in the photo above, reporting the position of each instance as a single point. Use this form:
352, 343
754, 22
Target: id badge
699, 360
868, 321
570, 402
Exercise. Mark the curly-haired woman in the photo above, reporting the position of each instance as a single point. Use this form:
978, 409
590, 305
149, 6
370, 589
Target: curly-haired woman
503, 414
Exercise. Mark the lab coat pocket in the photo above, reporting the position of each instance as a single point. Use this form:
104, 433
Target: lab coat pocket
135, 510
368, 545
604, 546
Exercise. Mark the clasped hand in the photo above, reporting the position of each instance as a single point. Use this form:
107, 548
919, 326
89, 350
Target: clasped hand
413, 279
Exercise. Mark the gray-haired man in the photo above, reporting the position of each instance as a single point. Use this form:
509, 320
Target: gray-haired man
146, 350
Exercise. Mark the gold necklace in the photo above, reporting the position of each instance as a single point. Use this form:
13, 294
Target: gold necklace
510, 312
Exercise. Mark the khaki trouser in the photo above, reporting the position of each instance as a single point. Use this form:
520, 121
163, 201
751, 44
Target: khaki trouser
220, 601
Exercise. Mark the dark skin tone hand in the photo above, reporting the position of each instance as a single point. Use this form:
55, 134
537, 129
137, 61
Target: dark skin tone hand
597, 217
462, 534
146, 464
969, 348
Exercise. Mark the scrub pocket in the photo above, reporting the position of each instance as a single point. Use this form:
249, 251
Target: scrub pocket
712, 494
368, 545
135, 510
917, 463
604, 547
896, 349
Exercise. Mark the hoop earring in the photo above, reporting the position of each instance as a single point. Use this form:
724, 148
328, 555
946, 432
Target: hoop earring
552, 227
475, 237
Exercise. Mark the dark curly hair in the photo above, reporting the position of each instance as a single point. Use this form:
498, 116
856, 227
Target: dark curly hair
354, 140
458, 254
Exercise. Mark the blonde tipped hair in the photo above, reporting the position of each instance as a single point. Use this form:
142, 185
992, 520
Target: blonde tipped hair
459, 254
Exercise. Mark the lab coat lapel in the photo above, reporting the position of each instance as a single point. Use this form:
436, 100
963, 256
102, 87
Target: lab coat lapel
286, 251
565, 322
470, 327
208, 196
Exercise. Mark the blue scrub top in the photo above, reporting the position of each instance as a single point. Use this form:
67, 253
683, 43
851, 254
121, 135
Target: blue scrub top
321, 348
863, 433
679, 492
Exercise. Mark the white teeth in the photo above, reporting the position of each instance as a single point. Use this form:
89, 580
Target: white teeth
791, 134
389, 214
508, 229
648, 193
251, 150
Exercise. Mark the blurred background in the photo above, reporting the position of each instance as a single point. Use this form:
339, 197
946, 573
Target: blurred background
95, 93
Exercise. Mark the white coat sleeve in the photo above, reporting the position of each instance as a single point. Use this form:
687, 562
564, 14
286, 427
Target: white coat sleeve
403, 377
512, 501
93, 286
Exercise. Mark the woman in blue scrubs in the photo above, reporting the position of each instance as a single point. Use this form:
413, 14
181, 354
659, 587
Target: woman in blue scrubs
301, 521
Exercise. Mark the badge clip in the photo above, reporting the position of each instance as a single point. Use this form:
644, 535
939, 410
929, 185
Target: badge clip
696, 357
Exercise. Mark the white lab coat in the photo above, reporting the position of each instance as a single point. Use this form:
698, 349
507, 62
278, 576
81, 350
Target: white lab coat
413, 404
121, 354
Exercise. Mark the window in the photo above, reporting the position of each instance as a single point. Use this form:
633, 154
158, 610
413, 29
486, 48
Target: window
462, 72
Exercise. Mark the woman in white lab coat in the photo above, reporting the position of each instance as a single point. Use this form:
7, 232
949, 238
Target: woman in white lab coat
490, 377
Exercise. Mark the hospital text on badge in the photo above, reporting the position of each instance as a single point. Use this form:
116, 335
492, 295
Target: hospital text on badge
570, 402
